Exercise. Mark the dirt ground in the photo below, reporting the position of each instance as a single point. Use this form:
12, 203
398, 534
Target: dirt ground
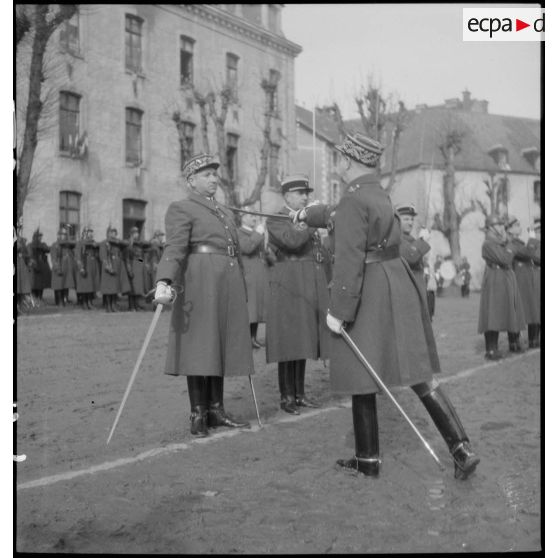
155, 489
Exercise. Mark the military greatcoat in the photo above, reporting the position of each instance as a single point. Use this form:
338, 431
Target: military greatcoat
133, 255
524, 269
63, 265
413, 250
500, 303
114, 279
209, 330
297, 304
255, 271
152, 258
41, 276
535, 246
382, 303
23, 273
88, 274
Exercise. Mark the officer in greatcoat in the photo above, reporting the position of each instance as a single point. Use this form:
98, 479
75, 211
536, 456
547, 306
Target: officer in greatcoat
114, 279
411, 248
524, 269
375, 295
209, 334
251, 238
23, 268
500, 303
63, 267
41, 275
88, 274
295, 327
133, 254
152, 257
534, 242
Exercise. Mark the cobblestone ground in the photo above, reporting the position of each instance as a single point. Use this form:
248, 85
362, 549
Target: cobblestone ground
155, 489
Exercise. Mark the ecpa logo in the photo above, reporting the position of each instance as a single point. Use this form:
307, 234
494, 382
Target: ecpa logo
503, 24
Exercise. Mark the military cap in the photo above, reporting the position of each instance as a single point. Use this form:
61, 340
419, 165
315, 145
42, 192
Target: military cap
511, 220
493, 220
361, 149
406, 209
295, 182
158, 232
133, 230
110, 228
198, 163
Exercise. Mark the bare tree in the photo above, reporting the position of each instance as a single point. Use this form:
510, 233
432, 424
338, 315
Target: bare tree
42, 24
496, 196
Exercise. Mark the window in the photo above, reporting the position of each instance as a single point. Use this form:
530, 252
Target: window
274, 77
252, 12
133, 215
69, 34
232, 156
69, 121
274, 179
186, 138
186, 60
537, 191
133, 136
232, 71
273, 21
69, 212
133, 43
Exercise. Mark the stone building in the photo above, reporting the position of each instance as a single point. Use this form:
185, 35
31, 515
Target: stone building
117, 75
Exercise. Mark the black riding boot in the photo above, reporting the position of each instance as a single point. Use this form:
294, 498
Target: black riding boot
131, 306
253, 331
515, 342
447, 421
66, 296
137, 304
57, 298
491, 342
286, 374
197, 391
217, 415
533, 333
300, 399
367, 443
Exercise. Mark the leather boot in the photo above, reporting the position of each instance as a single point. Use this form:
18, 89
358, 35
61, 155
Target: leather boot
113, 304
300, 399
447, 422
137, 304
515, 342
533, 334
286, 374
491, 343
367, 448
217, 415
253, 331
131, 307
197, 391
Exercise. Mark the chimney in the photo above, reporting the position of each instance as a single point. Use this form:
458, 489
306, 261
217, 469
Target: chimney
466, 99
484, 106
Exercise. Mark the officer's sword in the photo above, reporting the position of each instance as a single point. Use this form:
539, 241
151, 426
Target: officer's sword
377, 379
255, 400
158, 311
259, 213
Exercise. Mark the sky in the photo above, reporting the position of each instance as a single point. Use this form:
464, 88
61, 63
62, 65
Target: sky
414, 51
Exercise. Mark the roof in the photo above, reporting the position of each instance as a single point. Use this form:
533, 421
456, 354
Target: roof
326, 128
482, 131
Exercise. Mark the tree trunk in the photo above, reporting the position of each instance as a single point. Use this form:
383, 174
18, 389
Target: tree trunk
451, 218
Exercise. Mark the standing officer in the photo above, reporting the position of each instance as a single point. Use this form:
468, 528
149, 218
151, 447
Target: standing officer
535, 244
63, 267
152, 258
251, 240
23, 267
209, 334
500, 302
112, 270
133, 254
524, 269
465, 277
87, 278
375, 293
411, 248
41, 277
295, 327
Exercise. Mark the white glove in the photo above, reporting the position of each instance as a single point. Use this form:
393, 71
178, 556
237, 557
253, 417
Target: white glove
424, 234
163, 294
335, 324
260, 229
298, 216
531, 234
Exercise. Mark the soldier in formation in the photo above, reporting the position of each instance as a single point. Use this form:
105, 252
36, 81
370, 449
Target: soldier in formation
114, 278
23, 268
209, 334
376, 297
464, 277
88, 275
152, 257
295, 327
133, 255
63, 267
41, 273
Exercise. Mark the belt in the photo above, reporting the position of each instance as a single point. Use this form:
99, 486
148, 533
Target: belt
375, 256
292, 258
496, 266
230, 251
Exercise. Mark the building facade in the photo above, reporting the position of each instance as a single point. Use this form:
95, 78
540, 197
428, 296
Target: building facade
120, 87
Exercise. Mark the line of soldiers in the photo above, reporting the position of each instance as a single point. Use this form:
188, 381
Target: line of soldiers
511, 287
111, 267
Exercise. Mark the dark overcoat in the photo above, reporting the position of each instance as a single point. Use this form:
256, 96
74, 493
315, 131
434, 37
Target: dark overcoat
383, 305
41, 275
63, 265
114, 278
413, 250
255, 271
152, 256
134, 259
88, 277
524, 269
23, 271
535, 245
297, 304
500, 304
209, 330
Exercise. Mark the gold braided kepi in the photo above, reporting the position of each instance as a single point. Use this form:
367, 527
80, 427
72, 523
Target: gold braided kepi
361, 149
197, 163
